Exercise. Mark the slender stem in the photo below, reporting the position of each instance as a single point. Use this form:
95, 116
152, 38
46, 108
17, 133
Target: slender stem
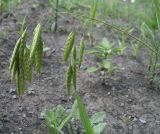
123, 31
56, 17
154, 66
148, 45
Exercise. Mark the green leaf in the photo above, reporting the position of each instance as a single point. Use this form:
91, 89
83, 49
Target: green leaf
93, 51
65, 121
106, 64
92, 69
82, 47
106, 44
69, 45
6, 4
51, 122
93, 11
74, 114
99, 128
84, 117
98, 117
75, 111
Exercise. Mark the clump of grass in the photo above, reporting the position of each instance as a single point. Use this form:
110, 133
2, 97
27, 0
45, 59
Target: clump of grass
8, 5
24, 57
105, 52
150, 32
72, 77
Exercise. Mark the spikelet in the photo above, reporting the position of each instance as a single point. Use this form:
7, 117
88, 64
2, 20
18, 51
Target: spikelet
13, 72
93, 12
82, 47
27, 65
14, 59
38, 56
73, 64
21, 69
24, 57
20, 74
14, 54
69, 45
36, 51
35, 41
16, 67
69, 79
84, 116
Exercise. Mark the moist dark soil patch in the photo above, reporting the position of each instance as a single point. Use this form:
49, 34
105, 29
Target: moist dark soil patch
131, 104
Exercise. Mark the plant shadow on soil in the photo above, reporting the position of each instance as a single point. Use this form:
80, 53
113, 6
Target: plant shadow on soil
131, 105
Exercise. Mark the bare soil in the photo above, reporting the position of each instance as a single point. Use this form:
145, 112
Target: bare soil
130, 102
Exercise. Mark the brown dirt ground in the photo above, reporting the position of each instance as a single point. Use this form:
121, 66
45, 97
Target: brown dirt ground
126, 94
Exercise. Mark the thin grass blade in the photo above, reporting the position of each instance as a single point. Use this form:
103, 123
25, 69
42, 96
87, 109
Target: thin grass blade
84, 117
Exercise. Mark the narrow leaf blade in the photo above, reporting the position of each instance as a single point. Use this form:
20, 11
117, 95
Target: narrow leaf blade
84, 117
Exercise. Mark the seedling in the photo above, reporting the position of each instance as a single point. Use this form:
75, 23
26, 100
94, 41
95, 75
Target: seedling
60, 119
98, 121
122, 44
105, 51
92, 16
136, 48
54, 7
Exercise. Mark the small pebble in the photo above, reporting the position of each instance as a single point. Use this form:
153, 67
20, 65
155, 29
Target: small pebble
113, 89
108, 93
142, 121
14, 96
3, 95
31, 112
1, 125
41, 117
102, 73
122, 104
126, 96
24, 115
129, 100
135, 119
5, 15
30, 91
12, 91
